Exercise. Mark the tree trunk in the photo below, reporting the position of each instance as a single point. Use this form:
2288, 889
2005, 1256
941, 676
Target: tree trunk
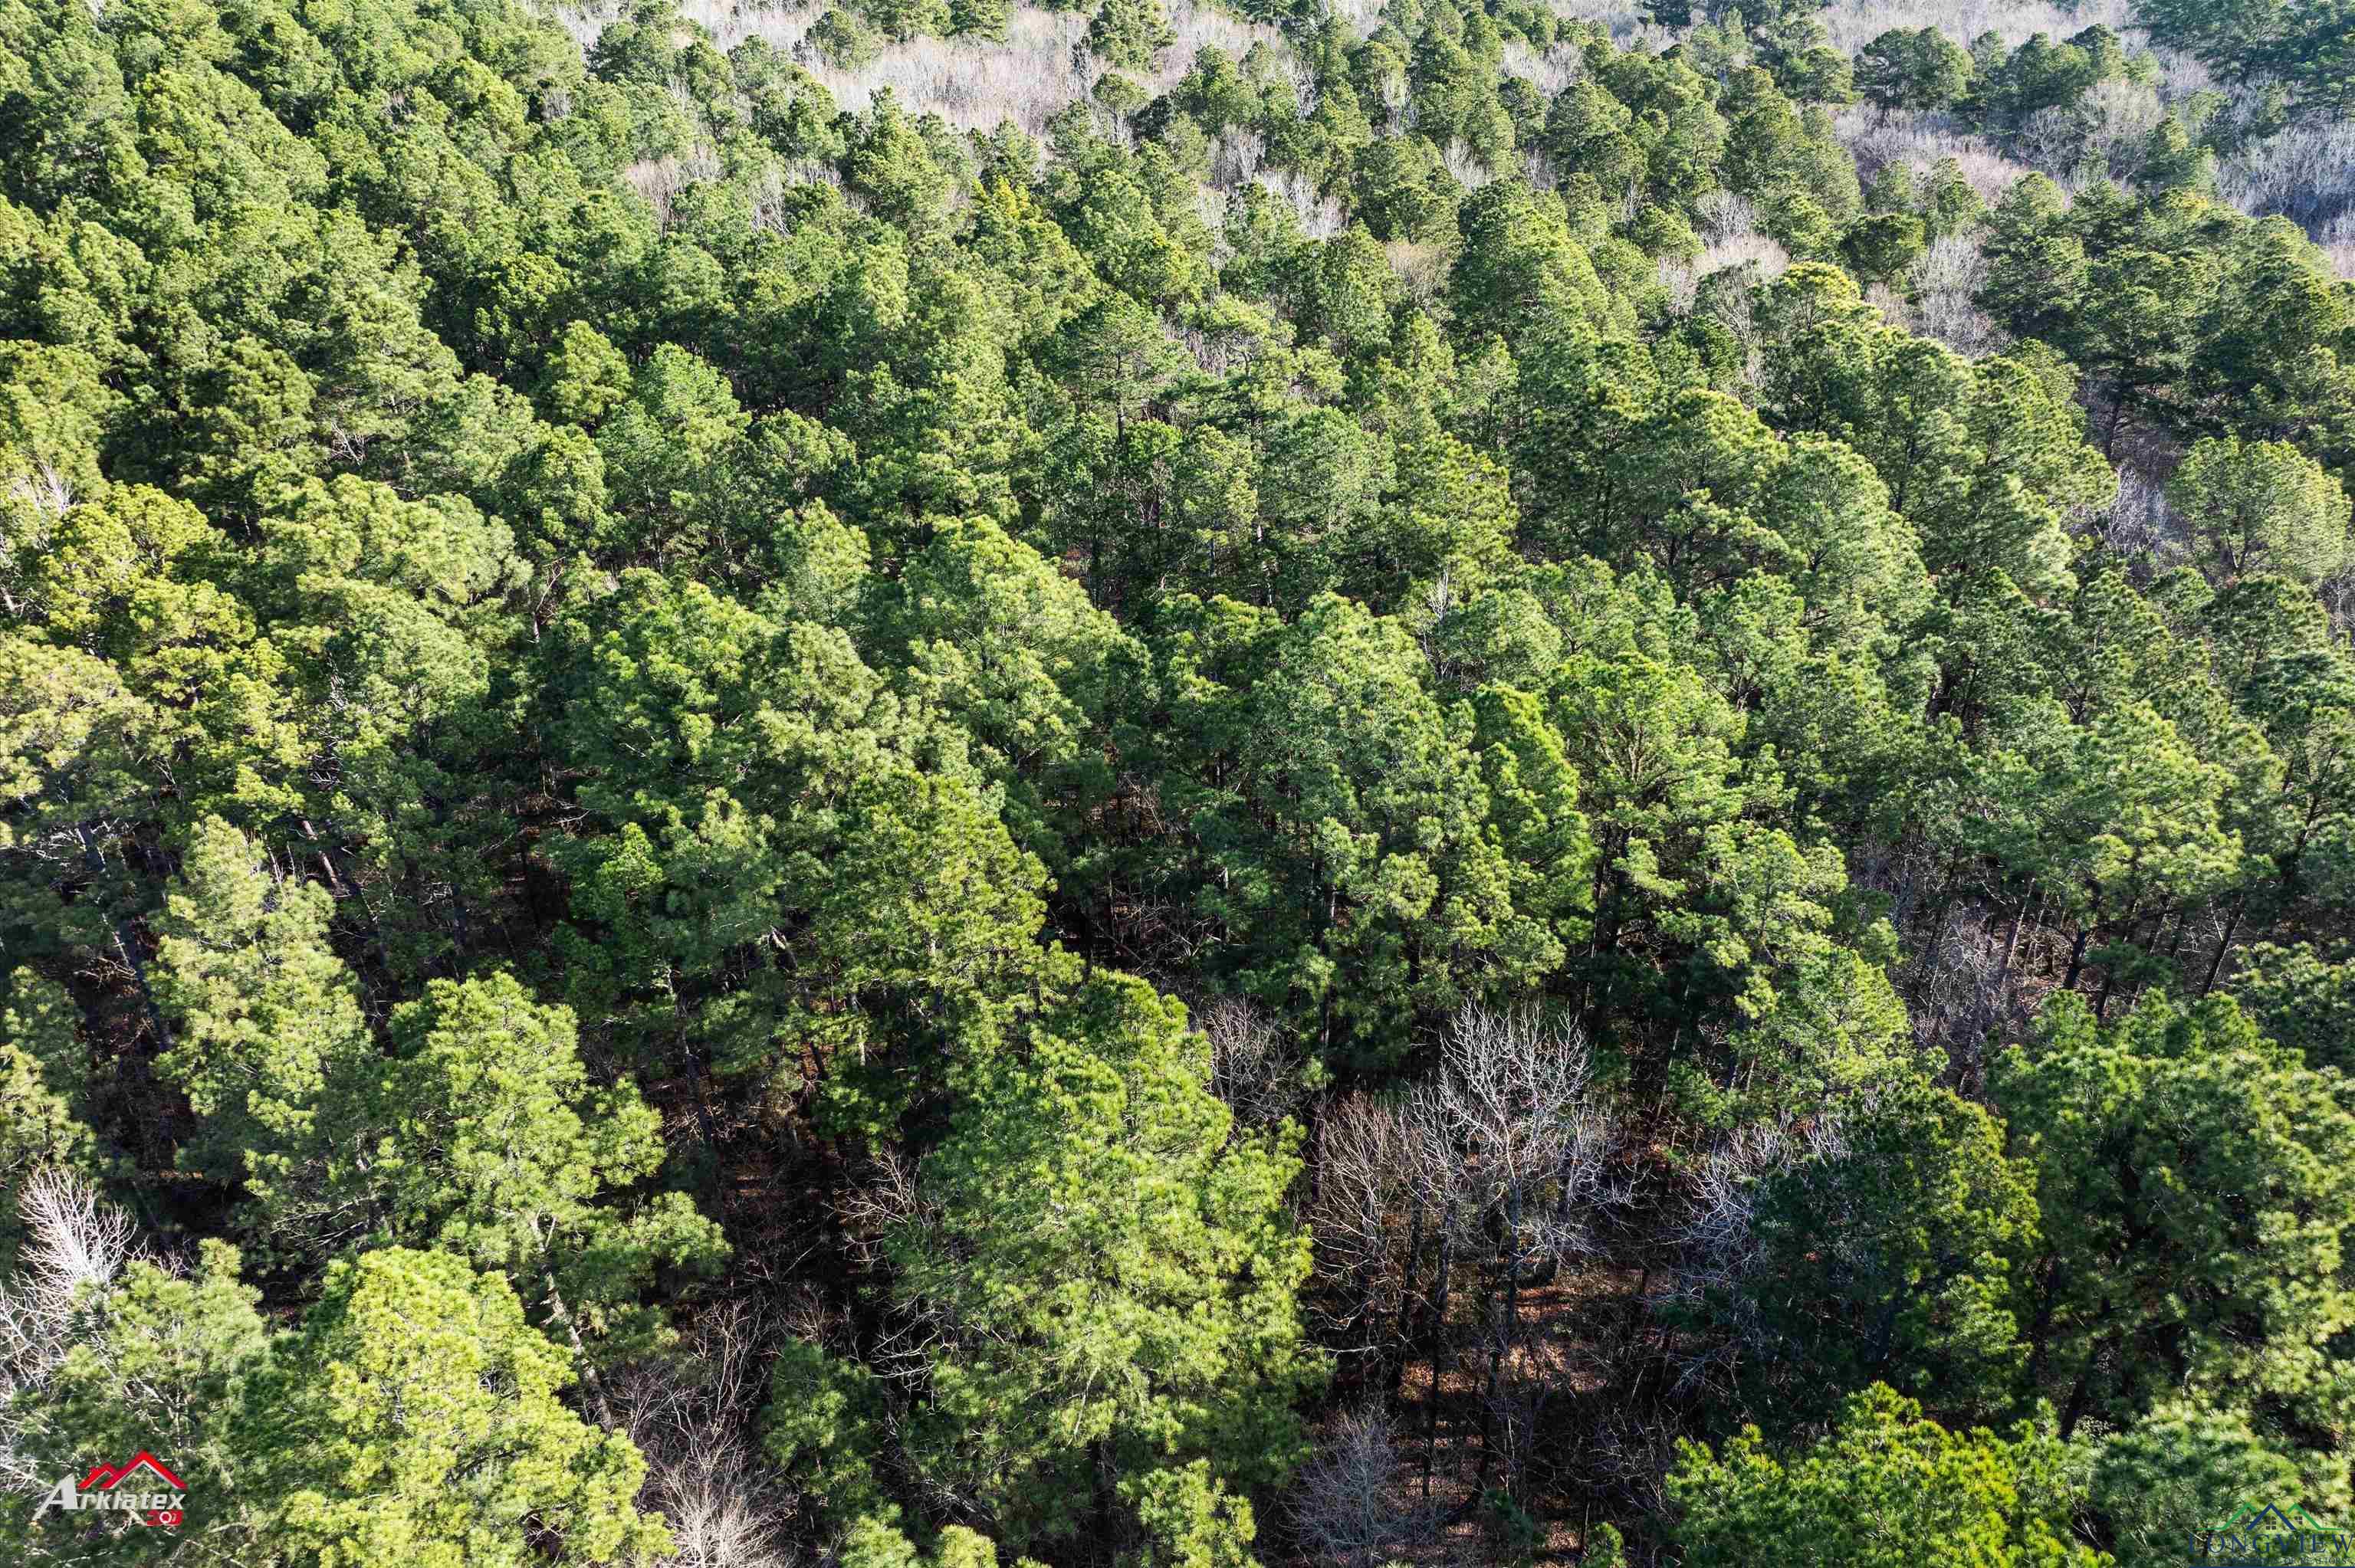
1928, 962
2110, 971
1437, 1323
1435, 1332
2011, 948
1508, 1328
2117, 417
2074, 1411
599, 1404
1635, 1307
2039, 1333
1400, 1329
2232, 925
95, 862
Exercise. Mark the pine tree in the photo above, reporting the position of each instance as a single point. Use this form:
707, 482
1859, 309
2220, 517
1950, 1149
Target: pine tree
266, 1015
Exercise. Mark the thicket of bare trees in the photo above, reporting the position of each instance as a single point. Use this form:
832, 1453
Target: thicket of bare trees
1441, 1215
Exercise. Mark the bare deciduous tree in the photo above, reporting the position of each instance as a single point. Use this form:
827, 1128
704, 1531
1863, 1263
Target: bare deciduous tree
1518, 1149
688, 1416
1370, 1185
1346, 1505
1626, 1456
76, 1244
1255, 1067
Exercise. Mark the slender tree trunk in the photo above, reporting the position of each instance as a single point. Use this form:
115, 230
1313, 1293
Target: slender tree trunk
2011, 943
1399, 1328
1435, 1322
327, 861
1635, 1307
599, 1404
331, 848
2110, 971
1562, 1178
1315, 1151
2076, 957
1929, 959
2117, 417
1434, 1334
95, 863
696, 1074
2232, 925
2081, 1392
2039, 1333
1107, 1498
1507, 1329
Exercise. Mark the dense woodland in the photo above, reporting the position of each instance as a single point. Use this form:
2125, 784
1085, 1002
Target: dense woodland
1479, 787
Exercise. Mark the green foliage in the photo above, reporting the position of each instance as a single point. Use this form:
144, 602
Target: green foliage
877, 873
822, 1426
43, 1088
1893, 1260
414, 1415
482, 1138
2301, 44
1398, 898
609, 673
2301, 1002
1109, 1285
1886, 1487
1520, 275
265, 1011
874, 1542
2264, 507
2190, 1175
846, 39
1118, 94
2184, 1470
1129, 34
167, 1364
1917, 69
1881, 248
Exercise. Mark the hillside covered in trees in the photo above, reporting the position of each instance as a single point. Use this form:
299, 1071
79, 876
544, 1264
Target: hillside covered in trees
927, 784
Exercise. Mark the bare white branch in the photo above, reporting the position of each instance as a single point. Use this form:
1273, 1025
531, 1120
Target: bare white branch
75, 1246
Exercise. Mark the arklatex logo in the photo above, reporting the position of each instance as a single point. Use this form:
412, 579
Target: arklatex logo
102, 1490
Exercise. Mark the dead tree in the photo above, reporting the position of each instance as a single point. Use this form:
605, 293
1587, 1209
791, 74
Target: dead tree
1346, 1506
1515, 1148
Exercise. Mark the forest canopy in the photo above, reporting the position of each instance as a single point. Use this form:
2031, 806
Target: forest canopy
923, 783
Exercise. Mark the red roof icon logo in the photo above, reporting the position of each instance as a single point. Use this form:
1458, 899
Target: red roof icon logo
106, 1477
